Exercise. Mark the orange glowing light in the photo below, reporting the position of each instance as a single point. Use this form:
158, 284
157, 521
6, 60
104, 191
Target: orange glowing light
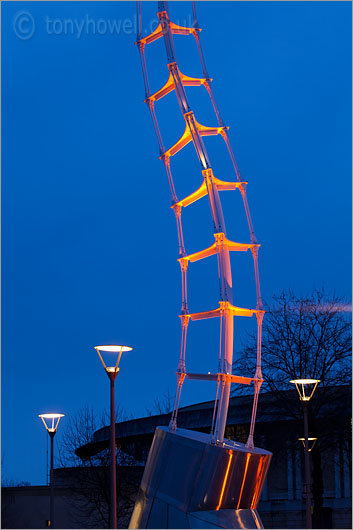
174, 28
222, 185
244, 477
257, 483
257, 522
194, 132
225, 306
221, 239
170, 85
224, 481
222, 377
191, 127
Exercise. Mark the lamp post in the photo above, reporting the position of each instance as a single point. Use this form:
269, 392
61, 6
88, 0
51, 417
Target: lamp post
110, 360
51, 427
306, 389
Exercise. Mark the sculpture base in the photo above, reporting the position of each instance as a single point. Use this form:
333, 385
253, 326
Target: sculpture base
190, 483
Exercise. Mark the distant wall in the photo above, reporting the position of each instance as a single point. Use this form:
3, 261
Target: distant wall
28, 507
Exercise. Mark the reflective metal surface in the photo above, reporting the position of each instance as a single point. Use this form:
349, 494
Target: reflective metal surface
190, 483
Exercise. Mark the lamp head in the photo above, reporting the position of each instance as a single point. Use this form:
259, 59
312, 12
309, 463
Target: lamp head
110, 356
305, 387
51, 421
311, 443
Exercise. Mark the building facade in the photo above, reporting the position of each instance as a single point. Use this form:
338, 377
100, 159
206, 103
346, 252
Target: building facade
279, 424
278, 427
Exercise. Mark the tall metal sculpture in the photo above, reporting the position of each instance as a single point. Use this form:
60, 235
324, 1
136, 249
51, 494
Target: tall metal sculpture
174, 490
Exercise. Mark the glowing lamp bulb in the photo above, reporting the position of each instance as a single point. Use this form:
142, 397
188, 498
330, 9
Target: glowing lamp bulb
111, 364
54, 417
113, 348
302, 385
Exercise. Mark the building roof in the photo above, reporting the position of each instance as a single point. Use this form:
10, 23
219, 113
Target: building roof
272, 407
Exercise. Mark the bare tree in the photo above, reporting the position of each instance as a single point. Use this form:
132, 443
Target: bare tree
88, 478
307, 337
162, 404
303, 337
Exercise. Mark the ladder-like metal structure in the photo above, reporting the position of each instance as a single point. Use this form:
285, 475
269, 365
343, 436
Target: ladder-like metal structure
222, 246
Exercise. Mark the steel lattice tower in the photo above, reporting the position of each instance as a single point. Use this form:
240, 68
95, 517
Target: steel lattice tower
211, 186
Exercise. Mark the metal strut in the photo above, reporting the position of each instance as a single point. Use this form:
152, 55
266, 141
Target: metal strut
211, 186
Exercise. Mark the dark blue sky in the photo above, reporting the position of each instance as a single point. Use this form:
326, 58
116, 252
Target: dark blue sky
89, 243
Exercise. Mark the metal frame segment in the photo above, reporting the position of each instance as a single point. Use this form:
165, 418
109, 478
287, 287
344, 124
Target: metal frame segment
211, 187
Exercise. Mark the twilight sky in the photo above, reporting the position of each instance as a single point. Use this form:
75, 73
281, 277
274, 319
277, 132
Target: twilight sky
89, 242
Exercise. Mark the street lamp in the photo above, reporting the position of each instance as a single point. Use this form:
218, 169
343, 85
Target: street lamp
110, 360
306, 389
312, 440
51, 427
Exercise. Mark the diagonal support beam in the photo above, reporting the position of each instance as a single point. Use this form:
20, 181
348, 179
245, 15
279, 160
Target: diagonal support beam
191, 126
221, 240
174, 28
225, 306
169, 86
222, 185
220, 377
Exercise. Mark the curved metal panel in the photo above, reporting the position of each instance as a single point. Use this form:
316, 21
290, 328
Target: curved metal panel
185, 472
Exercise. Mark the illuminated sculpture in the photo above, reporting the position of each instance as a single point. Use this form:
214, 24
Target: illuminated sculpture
191, 476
